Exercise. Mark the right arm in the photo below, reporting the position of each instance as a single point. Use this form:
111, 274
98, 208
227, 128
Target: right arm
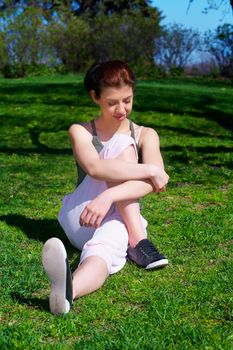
106, 169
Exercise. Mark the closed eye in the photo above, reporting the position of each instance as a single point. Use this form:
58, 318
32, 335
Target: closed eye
112, 103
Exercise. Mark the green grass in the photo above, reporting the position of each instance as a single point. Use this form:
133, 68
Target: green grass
186, 306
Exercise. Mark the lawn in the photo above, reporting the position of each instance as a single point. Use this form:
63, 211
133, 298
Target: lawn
188, 305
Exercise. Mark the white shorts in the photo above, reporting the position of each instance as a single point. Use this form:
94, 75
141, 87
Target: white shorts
110, 240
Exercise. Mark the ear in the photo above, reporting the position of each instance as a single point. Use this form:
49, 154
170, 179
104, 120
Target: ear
93, 96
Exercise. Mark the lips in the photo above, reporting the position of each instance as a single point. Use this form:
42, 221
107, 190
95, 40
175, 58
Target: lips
120, 116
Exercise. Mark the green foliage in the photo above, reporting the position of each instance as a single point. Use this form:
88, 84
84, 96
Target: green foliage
215, 73
19, 71
220, 44
69, 38
148, 70
34, 39
89, 8
130, 38
3, 50
186, 306
72, 35
24, 39
95, 8
176, 71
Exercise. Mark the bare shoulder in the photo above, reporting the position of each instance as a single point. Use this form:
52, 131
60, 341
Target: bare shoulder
80, 128
80, 131
148, 135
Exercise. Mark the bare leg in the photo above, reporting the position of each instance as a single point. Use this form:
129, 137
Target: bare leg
130, 210
130, 213
89, 276
145, 254
93, 271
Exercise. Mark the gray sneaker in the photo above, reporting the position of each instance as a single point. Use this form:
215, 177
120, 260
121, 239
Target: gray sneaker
55, 262
145, 254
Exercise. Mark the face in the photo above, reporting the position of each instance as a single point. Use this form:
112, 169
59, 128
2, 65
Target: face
115, 102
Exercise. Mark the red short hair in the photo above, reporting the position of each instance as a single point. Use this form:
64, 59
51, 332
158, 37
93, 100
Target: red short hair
108, 74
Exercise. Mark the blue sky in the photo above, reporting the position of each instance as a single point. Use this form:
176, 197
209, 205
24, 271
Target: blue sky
176, 11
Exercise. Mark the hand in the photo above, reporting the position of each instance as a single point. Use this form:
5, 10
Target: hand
95, 211
159, 179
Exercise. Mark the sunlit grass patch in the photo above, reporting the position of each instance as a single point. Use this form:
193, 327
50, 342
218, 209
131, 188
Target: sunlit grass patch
185, 306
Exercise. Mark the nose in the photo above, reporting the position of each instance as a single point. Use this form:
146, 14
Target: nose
120, 108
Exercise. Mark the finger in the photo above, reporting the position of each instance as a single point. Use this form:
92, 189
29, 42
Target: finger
82, 223
93, 220
82, 216
85, 215
98, 221
86, 220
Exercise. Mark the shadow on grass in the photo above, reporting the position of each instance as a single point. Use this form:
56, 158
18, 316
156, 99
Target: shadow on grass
208, 155
40, 150
38, 303
66, 94
184, 131
38, 146
42, 230
37, 229
222, 118
148, 98
200, 149
181, 102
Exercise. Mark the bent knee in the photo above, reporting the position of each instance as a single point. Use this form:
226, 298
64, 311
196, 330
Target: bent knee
128, 154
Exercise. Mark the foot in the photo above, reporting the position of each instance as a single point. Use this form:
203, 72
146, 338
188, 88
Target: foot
145, 254
55, 262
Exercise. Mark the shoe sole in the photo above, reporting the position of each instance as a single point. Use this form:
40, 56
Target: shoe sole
54, 259
157, 264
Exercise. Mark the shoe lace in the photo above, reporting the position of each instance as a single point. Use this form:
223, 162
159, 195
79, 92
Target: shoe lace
149, 250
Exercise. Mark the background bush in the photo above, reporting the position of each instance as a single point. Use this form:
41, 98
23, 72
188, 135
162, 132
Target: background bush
71, 37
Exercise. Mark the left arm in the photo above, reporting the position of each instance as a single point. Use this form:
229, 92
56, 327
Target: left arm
150, 145
135, 189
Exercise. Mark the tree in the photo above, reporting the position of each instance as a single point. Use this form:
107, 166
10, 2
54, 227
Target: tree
130, 38
24, 39
108, 7
80, 32
3, 51
215, 5
69, 39
88, 7
174, 47
220, 44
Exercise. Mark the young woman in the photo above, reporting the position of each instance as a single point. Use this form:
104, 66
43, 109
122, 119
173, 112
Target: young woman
118, 163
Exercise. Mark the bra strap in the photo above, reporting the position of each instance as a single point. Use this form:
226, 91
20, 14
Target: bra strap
93, 128
133, 134
132, 130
